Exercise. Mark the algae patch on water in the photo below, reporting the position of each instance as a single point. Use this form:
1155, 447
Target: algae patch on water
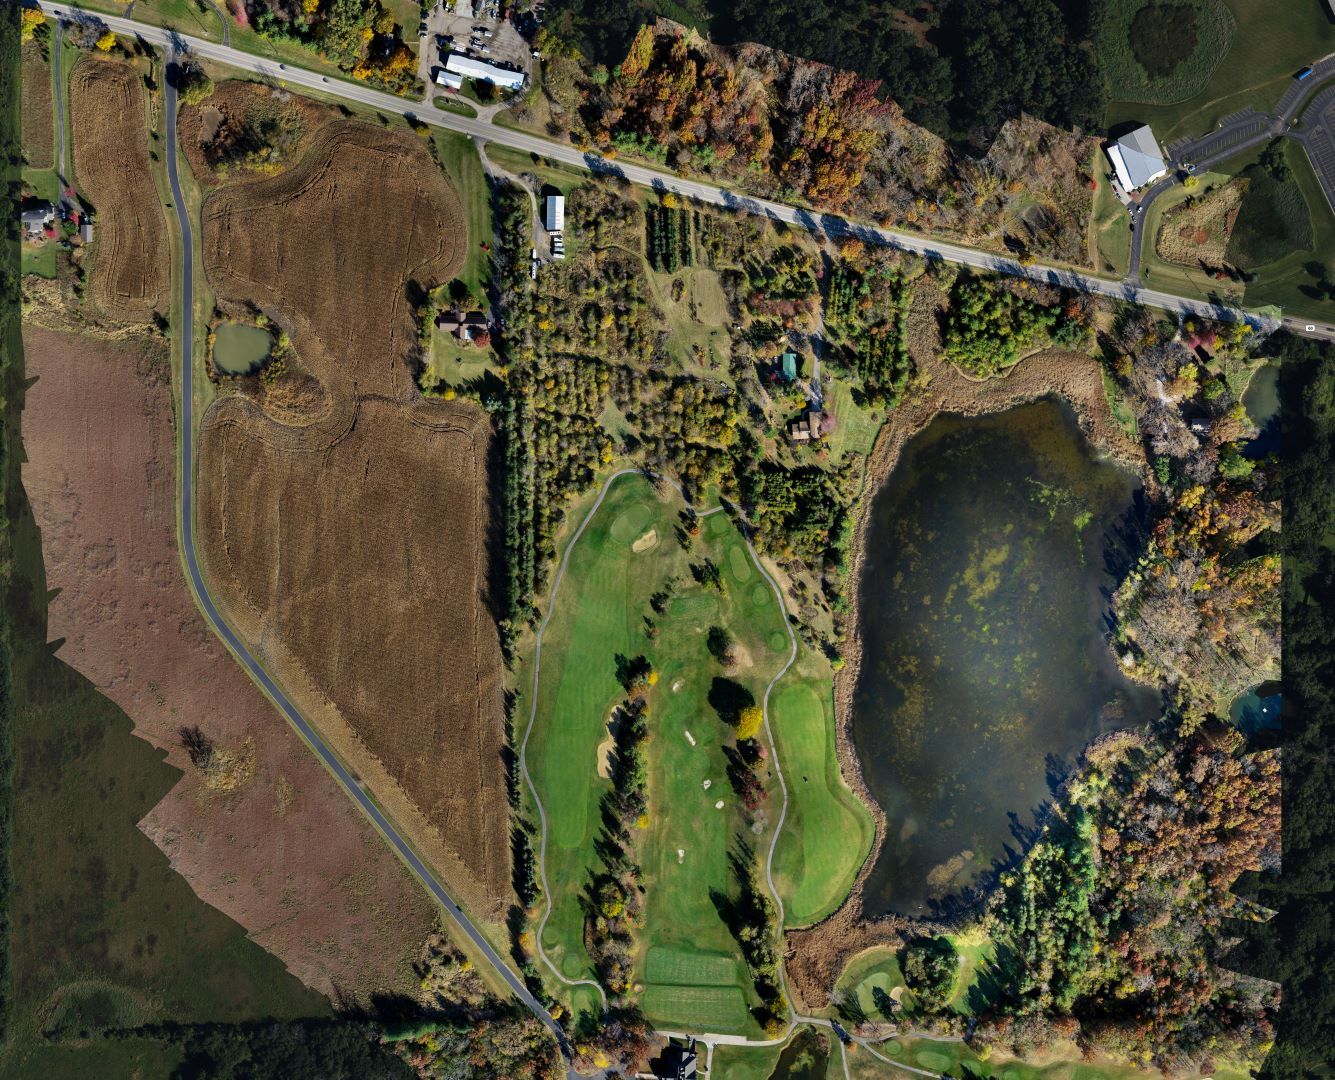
985, 667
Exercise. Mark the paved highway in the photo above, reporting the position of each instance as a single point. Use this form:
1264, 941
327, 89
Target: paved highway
238, 647
710, 194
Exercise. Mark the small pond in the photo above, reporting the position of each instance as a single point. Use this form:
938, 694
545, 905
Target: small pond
985, 669
1261, 400
1258, 710
239, 349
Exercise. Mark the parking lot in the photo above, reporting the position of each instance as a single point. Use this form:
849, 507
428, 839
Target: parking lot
473, 31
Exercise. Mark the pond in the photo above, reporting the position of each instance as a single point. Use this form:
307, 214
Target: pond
1261, 400
1258, 710
239, 349
985, 668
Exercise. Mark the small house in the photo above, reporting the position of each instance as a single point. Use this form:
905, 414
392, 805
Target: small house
86, 230
788, 366
463, 327
36, 217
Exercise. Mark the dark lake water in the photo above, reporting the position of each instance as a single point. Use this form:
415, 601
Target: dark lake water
985, 669
1261, 400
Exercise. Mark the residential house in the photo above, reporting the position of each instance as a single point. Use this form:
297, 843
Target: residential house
36, 217
788, 366
807, 427
463, 326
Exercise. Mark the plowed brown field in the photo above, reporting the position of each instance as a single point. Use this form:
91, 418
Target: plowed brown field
38, 124
349, 545
130, 271
264, 834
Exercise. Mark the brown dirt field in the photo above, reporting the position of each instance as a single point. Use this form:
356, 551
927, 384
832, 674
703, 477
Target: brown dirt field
351, 548
1190, 235
205, 132
816, 956
39, 125
130, 266
264, 834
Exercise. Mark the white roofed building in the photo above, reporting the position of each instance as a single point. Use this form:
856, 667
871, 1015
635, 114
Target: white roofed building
554, 213
1137, 159
469, 67
445, 78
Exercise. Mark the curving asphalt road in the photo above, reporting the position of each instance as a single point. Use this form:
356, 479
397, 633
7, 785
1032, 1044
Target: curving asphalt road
256, 670
1234, 135
709, 194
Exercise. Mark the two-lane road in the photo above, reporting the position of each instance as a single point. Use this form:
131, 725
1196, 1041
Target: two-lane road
187, 532
705, 193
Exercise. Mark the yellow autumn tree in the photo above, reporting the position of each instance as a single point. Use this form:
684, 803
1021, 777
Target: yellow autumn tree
107, 41
29, 21
748, 724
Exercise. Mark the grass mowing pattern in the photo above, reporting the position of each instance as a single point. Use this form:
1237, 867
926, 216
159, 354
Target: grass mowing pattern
703, 1008
1129, 36
682, 968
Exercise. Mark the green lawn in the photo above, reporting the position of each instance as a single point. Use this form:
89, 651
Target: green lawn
1268, 49
193, 17
828, 831
744, 1062
1109, 224
691, 957
461, 161
39, 259
1280, 282
564, 178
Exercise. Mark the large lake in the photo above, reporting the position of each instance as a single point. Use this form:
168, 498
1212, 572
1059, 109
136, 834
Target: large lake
985, 669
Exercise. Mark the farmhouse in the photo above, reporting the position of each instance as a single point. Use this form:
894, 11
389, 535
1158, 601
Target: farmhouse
464, 327
1136, 159
806, 428
554, 213
37, 217
468, 67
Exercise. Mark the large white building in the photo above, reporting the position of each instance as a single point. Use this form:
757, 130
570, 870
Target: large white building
469, 67
1137, 159
554, 214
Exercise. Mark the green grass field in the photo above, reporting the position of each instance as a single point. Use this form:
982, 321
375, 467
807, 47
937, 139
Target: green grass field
869, 976
39, 259
1268, 47
1109, 225
690, 955
193, 17
828, 832
461, 161
744, 1062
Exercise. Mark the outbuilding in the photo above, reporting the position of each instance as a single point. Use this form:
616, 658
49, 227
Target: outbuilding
469, 67
554, 213
1136, 159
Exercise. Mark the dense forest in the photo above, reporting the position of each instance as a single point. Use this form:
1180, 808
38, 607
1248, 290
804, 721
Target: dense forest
960, 67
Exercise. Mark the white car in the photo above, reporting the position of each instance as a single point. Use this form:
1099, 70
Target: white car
1310, 328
